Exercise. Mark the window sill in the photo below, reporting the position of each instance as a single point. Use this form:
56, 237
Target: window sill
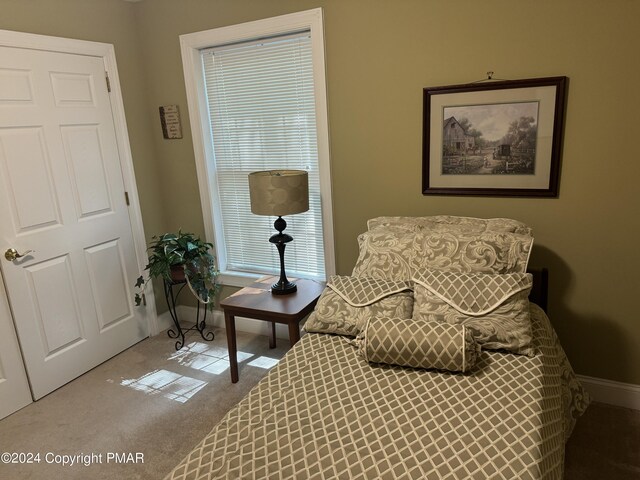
244, 279
238, 279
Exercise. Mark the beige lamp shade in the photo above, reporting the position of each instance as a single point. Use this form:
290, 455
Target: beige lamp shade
279, 192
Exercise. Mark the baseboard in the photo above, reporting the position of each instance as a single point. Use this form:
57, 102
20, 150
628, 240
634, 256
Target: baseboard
216, 319
614, 393
164, 321
620, 394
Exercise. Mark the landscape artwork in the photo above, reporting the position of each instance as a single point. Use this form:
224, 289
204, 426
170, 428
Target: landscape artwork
490, 139
493, 138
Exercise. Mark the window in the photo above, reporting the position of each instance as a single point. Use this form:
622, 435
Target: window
256, 93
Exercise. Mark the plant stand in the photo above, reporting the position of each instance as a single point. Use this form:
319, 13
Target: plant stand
172, 296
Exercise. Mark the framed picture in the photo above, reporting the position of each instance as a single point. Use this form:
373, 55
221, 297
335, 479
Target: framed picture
501, 138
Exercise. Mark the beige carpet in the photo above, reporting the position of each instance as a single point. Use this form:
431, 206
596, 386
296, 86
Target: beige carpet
154, 402
149, 399
605, 445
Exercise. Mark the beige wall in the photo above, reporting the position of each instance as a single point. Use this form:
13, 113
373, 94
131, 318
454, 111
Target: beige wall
380, 55
109, 21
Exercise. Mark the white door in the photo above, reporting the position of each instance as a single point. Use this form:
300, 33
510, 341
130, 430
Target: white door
14, 388
62, 197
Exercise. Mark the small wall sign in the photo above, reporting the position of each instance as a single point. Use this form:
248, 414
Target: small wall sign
170, 120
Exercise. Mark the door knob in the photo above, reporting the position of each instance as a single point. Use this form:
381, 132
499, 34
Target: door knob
11, 254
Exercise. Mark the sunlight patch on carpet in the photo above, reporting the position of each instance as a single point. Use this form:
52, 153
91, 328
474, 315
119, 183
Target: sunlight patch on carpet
168, 384
214, 359
264, 362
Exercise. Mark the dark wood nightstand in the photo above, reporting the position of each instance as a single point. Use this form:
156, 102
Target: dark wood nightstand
257, 301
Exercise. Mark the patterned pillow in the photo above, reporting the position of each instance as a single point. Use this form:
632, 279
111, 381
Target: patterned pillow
399, 255
386, 253
418, 344
494, 307
347, 303
451, 224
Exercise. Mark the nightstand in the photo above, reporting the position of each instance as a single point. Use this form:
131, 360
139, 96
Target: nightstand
257, 301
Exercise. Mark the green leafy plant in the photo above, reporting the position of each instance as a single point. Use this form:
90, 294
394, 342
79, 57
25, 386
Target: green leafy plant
174, 257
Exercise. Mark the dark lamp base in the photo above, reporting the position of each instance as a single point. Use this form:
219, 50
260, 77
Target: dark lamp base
283, 288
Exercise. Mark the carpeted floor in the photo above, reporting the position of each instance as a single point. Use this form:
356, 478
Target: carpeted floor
150, 399
154, 404
605, 445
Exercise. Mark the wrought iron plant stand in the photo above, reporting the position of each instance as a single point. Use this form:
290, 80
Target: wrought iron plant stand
200, 325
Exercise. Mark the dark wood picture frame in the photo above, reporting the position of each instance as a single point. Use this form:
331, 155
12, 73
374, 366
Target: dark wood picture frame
529, 113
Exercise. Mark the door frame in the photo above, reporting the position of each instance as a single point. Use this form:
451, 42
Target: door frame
106, 51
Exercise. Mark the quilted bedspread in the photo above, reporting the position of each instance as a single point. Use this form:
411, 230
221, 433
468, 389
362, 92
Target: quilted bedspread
323, 412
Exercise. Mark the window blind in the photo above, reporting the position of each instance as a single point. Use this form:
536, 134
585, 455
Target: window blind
260, 97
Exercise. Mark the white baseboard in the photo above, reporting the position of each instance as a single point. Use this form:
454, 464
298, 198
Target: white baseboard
164, 321
216, 319
605, 391
614, 393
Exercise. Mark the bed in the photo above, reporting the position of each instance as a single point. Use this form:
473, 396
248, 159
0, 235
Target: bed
328, 411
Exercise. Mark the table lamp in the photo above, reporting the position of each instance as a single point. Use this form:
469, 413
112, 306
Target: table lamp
279, 193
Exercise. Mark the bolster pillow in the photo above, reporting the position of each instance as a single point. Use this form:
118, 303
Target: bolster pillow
418, 344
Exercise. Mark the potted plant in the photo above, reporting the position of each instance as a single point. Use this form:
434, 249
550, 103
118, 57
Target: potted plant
181, 257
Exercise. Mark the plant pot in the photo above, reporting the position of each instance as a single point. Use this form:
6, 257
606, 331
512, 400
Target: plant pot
177, 273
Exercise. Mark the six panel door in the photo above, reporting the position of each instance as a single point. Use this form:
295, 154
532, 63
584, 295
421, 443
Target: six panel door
62, 200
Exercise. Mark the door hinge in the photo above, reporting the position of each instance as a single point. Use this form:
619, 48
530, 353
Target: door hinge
126, 197
106, 76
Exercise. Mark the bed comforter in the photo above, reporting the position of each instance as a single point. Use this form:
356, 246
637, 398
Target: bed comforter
323, 412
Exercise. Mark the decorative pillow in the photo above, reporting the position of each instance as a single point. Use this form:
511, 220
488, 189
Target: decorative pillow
387, 254
451, 224
494, 307
418, 344
398, 255
347, 303
489, 252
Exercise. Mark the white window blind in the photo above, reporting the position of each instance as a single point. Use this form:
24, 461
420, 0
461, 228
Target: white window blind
260, 97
